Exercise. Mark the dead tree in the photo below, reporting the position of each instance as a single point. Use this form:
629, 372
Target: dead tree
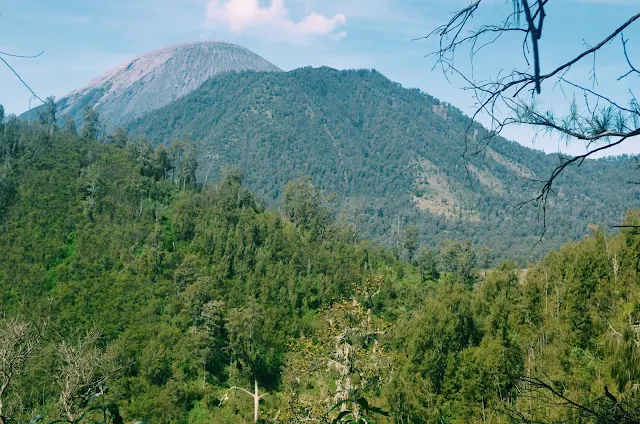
83, 373
18, 342
256, 396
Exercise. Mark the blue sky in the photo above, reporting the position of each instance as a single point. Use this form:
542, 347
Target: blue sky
81, 39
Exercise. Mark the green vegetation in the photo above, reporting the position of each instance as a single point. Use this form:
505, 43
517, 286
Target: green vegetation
394, 158
192, 291
129, 292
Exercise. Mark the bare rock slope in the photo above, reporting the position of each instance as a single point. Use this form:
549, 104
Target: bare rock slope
155, 79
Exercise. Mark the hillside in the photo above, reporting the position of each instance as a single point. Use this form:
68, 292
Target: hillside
128, 293
155, 79
392, 155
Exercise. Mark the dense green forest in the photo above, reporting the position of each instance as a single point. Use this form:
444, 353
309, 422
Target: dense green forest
131, 292
394, 157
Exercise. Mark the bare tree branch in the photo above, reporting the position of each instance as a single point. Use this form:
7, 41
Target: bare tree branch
20, 78
606, 408
5, 54
632, 69
502, 99
18, 342
84, 371
21, 55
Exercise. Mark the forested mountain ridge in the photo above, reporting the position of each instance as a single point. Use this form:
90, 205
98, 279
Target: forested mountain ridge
127, 287
395, 157
155, 79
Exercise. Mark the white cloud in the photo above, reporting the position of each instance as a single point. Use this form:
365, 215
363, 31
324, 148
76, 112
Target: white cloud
340, 35
242, 15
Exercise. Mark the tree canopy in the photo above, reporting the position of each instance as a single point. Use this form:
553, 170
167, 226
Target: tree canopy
391, 157
130, 296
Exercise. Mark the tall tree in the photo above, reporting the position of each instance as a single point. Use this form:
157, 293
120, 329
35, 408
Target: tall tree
459, 259
251, 346
69, 124
48, 114
427, 263
411, 241
189, 166
176, 149
91, 125
162, 162
305, 206
432, 342
119, 137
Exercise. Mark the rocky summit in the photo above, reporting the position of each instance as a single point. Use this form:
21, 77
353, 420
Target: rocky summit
155, 79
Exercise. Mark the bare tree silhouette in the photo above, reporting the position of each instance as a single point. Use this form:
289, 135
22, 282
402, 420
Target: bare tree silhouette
511, 97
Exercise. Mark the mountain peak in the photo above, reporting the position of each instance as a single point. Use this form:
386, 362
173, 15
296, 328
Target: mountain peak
155, 79
187, 44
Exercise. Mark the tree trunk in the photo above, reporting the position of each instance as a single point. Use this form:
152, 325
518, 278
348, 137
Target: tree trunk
4, 386
256, 400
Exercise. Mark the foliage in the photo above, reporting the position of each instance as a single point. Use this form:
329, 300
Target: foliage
191, 290
360, 404
394, 157
345, 356
194, 290
109, 415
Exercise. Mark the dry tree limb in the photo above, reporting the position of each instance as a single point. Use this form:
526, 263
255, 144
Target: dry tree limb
20, 56
509, 98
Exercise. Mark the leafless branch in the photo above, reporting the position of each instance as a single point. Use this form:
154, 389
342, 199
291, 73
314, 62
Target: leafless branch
547, 188
600, 96
18, 342
632, 69
84, 371
21, 55
501, 98
601, 408
233, 389
20, 78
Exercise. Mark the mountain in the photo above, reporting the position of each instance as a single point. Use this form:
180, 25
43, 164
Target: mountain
131, 293
394, 157
164, 299
155, 79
